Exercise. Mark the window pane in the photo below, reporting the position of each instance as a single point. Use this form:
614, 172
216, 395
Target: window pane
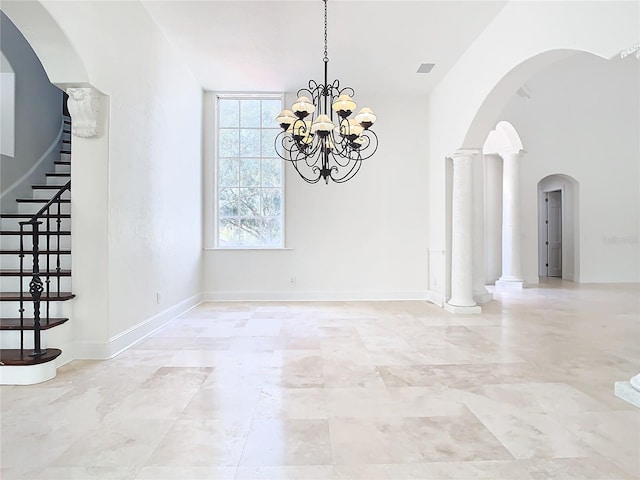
271, 172
228, 232
270, 110
250, 113
272, 232
228, 143
249, 143
271, 202
229, 112
228, 202
228, 172
268, 142
251, 231
250, 202
250, 172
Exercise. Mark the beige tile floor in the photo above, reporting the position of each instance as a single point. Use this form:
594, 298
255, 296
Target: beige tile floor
362, 390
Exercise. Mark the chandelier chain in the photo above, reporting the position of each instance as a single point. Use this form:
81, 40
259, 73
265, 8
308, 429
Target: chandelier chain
326, 57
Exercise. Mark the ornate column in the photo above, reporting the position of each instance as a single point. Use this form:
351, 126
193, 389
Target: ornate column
84, 108
480, 293
461, 300
511, 241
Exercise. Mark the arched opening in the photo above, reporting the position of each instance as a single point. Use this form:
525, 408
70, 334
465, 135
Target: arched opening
558, 227
501, 198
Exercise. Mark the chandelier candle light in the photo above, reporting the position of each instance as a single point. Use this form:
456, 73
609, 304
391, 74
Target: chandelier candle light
316, 145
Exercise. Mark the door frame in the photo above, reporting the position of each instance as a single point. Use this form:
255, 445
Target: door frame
570, 195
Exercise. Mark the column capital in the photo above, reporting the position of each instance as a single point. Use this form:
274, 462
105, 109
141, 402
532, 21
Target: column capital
511, 152
464, 153
84, 108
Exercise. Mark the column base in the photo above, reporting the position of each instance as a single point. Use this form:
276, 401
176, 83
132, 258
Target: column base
626, 392
482, 297
455, 309
510, 284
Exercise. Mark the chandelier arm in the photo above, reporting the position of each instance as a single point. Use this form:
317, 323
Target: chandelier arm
355, 166
314, 169
287, 143
366, 134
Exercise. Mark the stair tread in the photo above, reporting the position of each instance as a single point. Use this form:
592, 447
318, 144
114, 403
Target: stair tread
42, 232
14, 323
30, 215
15, 356
42, 252
15, 272
56, 174
40, 200
53, 296
47, 187
62, 162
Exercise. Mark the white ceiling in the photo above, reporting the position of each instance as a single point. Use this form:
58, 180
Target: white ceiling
278, 45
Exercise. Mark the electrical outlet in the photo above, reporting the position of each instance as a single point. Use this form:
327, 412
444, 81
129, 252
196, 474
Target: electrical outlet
158, 298
292, 281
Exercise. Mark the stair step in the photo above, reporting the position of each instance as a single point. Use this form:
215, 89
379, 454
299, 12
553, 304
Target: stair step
14, 323
48, 187
61, 162
28, 216
11, 272
42, 252
15, 357
28, 233
54, 174
40, 200
26, 296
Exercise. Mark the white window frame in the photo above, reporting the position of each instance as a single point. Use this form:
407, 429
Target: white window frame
214, 187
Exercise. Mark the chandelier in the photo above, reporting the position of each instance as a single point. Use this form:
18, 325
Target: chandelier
321, 142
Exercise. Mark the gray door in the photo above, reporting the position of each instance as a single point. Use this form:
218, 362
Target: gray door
554, 233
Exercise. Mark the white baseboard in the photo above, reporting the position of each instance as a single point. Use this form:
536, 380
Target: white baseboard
124, 340
311, 296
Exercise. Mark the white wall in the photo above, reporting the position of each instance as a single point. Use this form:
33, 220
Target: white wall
147, 180
583, 121
7, 107
36, 119
365, 239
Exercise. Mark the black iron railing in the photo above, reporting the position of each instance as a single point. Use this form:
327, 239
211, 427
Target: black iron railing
52, 233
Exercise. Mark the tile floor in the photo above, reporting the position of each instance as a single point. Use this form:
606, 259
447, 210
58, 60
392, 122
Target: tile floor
362, 390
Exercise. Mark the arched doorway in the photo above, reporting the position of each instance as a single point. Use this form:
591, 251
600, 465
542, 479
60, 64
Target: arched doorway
558, 229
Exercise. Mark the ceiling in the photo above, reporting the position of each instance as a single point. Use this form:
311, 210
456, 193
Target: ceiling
374, 46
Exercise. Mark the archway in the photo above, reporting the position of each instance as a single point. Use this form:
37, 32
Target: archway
500, 185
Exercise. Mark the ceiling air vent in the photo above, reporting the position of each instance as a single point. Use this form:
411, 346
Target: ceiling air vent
425, 68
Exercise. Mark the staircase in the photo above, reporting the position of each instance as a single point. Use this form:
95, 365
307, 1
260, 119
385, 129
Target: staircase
35, 276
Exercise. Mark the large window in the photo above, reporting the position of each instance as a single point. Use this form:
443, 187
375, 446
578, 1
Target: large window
249, 174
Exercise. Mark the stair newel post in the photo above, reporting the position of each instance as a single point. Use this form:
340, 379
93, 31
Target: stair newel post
22, 276
36, 289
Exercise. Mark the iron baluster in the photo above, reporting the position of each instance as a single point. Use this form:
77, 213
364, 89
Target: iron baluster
36, 289
47, 277
22, 277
